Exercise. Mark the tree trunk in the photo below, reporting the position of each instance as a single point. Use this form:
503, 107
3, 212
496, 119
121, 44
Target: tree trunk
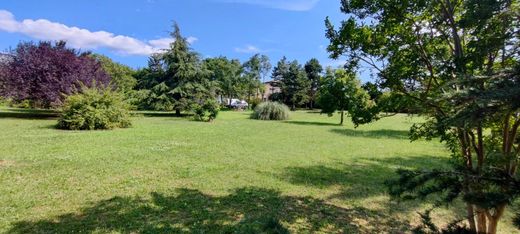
471, 217
178, 112
493, 219
481, 221
492, 227
342, 117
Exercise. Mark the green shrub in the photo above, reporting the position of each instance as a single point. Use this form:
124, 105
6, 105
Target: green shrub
207, 112
271, 111
94, 109
253, 103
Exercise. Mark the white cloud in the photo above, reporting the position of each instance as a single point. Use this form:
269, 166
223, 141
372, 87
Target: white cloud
43, 29
249, 49
290, 5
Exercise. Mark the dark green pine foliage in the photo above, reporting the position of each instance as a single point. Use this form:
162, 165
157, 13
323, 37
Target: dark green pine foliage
313, 69
185, 74
293, 82
175, 79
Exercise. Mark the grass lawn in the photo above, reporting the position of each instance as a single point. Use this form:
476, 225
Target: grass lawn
170, 174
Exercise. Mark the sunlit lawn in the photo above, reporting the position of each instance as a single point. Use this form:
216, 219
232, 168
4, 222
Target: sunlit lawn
169, 174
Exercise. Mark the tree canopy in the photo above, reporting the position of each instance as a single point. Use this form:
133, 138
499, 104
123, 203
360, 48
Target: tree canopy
341, 91
457, 61
176, 78
313, 69
45, 73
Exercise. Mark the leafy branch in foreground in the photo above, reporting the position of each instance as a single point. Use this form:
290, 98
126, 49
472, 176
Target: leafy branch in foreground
458, 60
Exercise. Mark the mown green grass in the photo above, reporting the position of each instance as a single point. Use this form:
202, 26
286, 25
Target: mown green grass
169, 174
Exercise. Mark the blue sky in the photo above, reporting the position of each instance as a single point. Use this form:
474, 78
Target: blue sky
129, 30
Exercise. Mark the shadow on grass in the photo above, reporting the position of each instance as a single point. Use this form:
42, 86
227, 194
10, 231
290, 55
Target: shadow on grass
28, 113
362, 179
306, 123
246, 210
383, 133
314, 112
160, 114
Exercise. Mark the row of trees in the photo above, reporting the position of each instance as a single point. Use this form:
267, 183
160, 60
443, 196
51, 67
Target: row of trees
177, 79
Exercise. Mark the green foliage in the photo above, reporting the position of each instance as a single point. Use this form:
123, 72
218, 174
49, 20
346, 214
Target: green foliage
341, 91
313, 70
271, 111
206, 112
294, 83
458, 61
122, 76
94, 109
395, 102
253, 103
254, 71
227, 74
175, 79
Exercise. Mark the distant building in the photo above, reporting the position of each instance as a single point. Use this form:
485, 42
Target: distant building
270, 88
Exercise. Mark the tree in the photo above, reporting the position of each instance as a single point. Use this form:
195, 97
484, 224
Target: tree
341, 91
313, 69
228, 75
458, 61
255, 70
372, 90
122, 76
295, 85
176, 79
280, 70
185, 73
46, 72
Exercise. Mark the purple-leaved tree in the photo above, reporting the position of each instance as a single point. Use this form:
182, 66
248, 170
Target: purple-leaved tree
46, 72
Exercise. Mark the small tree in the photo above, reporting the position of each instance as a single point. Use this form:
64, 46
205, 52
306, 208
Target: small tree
44, 73
341, 91
313, 69
206, 111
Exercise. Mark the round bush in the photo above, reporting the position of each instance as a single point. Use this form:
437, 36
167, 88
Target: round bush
207, 112
94, 109
271, 111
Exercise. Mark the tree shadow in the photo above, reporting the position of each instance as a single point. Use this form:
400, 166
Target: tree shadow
28, 113
315, 111
361, 179
245, 210
160, 114
382, 133
306, 123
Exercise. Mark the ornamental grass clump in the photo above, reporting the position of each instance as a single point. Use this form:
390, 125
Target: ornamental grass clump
94, 109
271, 111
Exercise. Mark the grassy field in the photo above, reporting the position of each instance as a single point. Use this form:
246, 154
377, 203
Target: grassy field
169, 174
